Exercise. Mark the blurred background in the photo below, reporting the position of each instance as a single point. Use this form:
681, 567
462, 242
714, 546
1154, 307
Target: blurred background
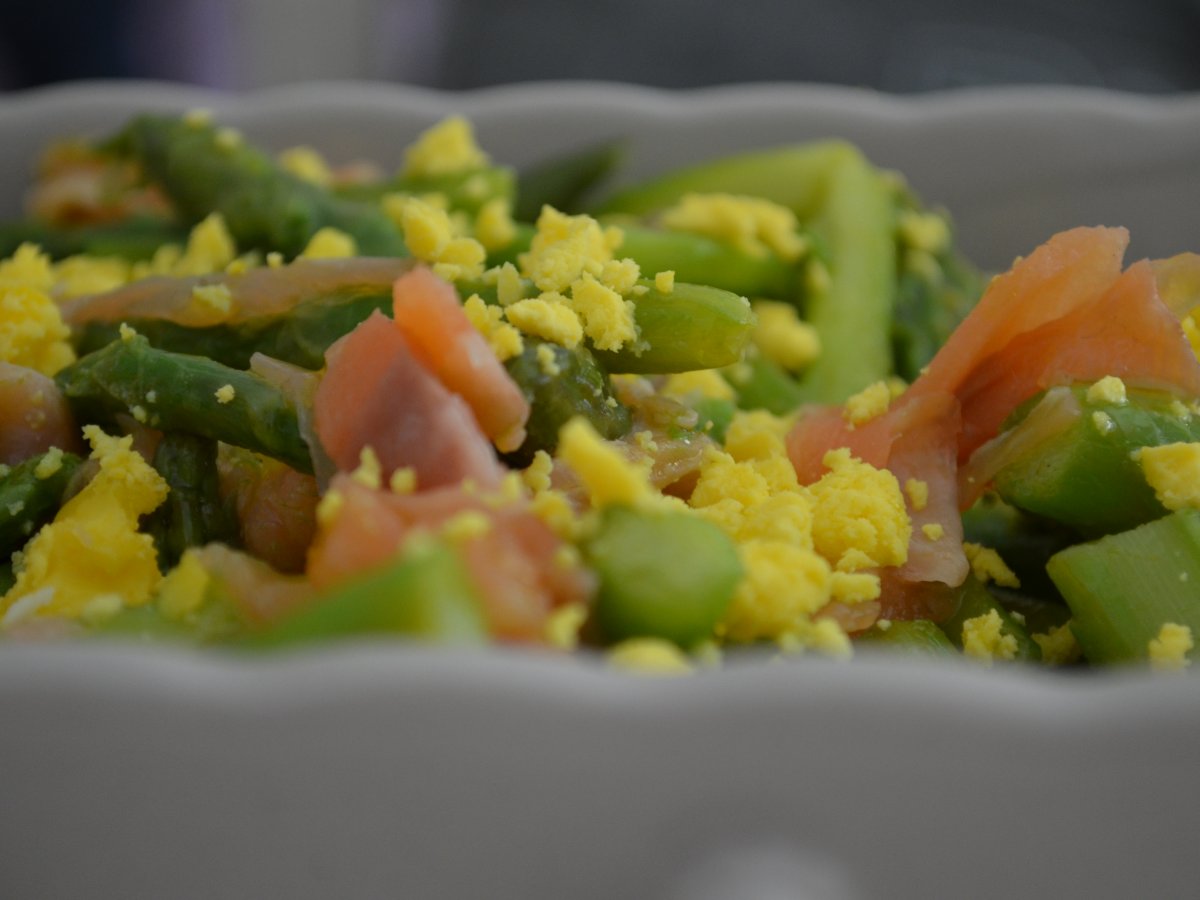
1137, 45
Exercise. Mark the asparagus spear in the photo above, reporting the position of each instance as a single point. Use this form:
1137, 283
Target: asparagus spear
180, 392
562, 182
192, 515
132, 239
30, 494
203, 169
567, 384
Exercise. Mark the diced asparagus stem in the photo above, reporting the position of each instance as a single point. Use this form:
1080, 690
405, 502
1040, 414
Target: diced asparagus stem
179, 392
205, 169
1124, 587
662, 574
919, 637
853, 312
976, 600
132, 239
27, 501
426, 593
299, 336
563, 182
193, 514
1083, 475
693, 327
693, 258
569, 384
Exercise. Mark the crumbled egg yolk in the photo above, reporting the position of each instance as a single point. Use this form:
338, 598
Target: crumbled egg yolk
431, 237
781, 337
859, 510
329, 243
934, 531
32, 331
494, 225
1058, 645
984, 639
867, 404
78, 275
306, 164
210, 248
1173, 471
504, 339
607, 475
751, 224
649, 656
93, 545
664, 282
215, 301
570, 261
699, 383
184, 588
987, 565
448, 147
918, 493
1169, 649
225, 394
1109, 389
563, 625
1103, 422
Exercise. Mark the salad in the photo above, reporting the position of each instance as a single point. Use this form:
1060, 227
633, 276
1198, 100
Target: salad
262, 401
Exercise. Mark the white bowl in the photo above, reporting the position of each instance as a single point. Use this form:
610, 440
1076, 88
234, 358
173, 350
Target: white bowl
407, 772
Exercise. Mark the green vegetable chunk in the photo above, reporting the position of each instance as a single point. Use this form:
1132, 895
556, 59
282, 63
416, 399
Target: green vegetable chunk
301, 336
919, 637
426, 594
131, 239
693, 327
27, 501
761, 383
1076, 467
662, 574
1124, 587
193, 394
976, 600
562, 182
571, 384
192, 514
205, 169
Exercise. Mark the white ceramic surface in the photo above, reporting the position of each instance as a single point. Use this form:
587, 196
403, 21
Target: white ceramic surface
405, 772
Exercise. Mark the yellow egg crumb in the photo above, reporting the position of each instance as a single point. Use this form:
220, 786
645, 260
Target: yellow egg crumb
403, 480
869, 403
781, 337
32, 331
274, 259
987, 565
505, 341
664, 282
537, 474
307, 165
702, 383
1058, 645
545, 318
1169, 650
918, 493
509, 287
446, 148
984, 639
466, 525
854, 587
1173, 472
200, 117
50, 463
608, 318
561, 630
184, 588
925, 231
1103, 422
126, 332
329, 507
563, 249
606, 473
859, 508
757, 434
934, 531
783, 586
548, 361
824, 636
494, 226
210, 248
78, 275
369, 472
430, 236
1108, 389
329, 243
649, 656
93, 546
28, 267
225, 393
214, 302
751, 224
